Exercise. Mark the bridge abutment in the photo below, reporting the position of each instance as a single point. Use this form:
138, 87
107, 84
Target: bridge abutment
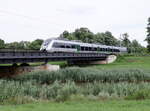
8, 71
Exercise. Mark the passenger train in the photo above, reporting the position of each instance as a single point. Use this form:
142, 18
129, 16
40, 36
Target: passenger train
56, 45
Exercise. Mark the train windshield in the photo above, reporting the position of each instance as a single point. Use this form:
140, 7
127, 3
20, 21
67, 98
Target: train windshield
46, 42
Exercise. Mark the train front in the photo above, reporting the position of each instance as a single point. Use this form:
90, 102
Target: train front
46, 45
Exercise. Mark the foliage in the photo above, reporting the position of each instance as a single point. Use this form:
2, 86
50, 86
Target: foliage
125, 40
86, 75
136, 47
85, 35
139, 95
67, 83
18, 100
17, 45
31, 91
36, 44
2, 43
148, 35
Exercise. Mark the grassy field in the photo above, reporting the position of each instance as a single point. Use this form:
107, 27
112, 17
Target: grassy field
142, 62
82, 106
125, 63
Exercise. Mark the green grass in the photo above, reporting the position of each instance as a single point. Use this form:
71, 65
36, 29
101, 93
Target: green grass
82, 106
140, 62
125, 63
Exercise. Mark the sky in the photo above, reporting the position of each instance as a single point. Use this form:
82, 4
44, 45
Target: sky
27, 20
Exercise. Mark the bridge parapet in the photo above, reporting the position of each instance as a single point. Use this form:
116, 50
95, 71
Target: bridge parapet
11, 57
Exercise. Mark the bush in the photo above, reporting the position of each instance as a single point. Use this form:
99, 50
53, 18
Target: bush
66, 91
139, 95
19, 100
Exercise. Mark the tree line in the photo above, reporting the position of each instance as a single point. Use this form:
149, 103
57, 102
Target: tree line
104, 38
85, 35
34, 45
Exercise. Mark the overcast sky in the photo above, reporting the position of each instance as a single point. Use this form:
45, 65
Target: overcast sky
31, 19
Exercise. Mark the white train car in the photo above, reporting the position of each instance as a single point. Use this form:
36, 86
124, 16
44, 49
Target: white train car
54, 45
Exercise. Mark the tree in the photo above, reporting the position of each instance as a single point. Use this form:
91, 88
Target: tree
148, 35
2, 43
105, 38
36, 44
109, 39
125, 40
136, 47
67, 35
100, 38
84, 34
14, 45
25, 44
18, 45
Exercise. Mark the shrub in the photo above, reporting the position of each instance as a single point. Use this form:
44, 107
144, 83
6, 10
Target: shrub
19, 100
66, 91
139, 95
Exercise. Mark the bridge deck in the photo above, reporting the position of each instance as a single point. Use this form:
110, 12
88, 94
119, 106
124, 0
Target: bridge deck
10, 57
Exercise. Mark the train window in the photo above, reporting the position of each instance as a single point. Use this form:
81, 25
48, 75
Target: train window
95, 48
78, 47
98, 49
86, 48
101, 49
90, 48
56, 45
118, 50
62, 46
73, 46
82, 48
68, 46
46, 42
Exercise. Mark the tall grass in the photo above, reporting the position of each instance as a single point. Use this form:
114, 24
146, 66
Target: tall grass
86, 75
62, 91
62, 84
